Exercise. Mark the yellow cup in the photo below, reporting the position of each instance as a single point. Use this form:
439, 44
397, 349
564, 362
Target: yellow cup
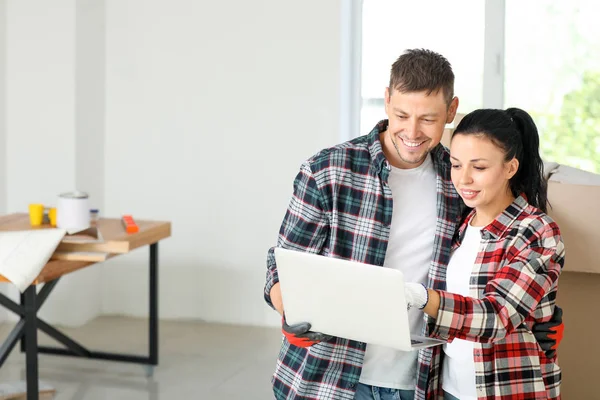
52, 216
36, 214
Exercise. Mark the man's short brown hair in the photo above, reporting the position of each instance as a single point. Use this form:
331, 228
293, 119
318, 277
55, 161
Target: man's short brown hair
419, 70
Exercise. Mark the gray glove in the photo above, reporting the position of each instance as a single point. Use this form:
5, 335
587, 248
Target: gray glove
550, 334
300, 334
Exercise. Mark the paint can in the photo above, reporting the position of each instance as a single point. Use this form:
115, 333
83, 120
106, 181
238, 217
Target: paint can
73, 211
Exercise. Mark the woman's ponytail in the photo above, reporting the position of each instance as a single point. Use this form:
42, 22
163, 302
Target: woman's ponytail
529, 179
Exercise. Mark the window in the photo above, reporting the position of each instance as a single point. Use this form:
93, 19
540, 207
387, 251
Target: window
453, 29
553, 72
541, 56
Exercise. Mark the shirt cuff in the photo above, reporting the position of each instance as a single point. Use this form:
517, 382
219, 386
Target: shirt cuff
451, 316
271, 281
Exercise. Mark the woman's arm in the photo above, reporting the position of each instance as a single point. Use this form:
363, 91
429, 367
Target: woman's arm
514, 293
433, 304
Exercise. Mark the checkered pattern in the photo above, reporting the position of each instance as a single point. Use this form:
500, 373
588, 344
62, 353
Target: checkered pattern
514, 286
342, 207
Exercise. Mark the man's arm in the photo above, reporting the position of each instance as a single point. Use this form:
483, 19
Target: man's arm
276, 298
304, 228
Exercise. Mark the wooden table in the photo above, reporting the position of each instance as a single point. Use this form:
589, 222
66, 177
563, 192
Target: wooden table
70, 257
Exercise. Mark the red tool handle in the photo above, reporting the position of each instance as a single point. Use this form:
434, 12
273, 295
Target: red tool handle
129, 224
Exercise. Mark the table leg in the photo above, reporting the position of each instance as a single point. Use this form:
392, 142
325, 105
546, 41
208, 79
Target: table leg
153, 296
31, 344
22, 297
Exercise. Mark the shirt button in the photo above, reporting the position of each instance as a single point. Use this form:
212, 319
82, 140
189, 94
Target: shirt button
352, 385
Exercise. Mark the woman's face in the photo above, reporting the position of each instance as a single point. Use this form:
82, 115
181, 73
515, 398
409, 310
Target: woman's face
479, 172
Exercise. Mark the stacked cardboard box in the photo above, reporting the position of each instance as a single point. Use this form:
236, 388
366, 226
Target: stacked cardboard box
574, 196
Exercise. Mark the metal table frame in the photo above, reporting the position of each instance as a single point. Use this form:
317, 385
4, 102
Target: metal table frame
26, 331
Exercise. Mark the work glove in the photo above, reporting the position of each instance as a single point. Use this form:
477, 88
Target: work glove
300, 334
549, 334
416, 295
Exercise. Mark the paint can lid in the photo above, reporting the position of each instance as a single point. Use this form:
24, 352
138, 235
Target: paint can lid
74, 195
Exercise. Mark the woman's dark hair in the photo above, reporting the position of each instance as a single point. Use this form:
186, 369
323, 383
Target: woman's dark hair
514, 131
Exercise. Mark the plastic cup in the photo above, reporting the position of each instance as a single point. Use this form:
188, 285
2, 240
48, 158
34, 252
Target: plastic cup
52, 216
36, 214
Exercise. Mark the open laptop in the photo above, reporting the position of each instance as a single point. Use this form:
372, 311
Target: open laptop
347, 299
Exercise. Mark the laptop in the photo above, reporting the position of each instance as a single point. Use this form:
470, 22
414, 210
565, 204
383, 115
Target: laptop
347, 299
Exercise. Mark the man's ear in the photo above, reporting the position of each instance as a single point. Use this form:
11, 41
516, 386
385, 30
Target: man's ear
387, 99
452, 110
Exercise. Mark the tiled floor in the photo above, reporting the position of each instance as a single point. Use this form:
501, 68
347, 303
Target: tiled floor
197, 361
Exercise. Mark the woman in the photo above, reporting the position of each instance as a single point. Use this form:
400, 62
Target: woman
503, 271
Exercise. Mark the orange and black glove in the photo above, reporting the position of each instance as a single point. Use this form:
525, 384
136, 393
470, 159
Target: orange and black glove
550, 334
300, 334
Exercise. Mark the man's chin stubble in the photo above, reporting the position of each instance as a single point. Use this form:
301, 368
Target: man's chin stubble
415, 160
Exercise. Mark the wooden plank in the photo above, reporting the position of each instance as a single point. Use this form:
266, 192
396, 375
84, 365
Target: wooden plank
80, 256
55, 269
70, 257
116, 240
18, 391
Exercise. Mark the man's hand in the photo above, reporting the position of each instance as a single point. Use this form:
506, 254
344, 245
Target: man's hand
275, 295
300, 334
549, 334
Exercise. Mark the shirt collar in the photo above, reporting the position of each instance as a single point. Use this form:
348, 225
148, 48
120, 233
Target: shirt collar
498, 227
375, 149
439, 154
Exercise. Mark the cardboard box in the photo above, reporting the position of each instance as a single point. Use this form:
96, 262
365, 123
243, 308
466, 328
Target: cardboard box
448, 131
574, 196
579, 352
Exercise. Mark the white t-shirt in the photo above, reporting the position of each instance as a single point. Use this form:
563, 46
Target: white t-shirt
409, 250
458, 371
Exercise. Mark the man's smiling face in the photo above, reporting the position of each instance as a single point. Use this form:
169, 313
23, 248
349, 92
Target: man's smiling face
416, 125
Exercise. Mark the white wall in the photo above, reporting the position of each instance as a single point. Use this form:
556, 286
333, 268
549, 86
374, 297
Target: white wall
50, 90
90, 99
40, 101
196, 112
210, 109
39, 109
3, 288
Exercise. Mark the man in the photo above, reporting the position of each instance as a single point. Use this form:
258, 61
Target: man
385, 199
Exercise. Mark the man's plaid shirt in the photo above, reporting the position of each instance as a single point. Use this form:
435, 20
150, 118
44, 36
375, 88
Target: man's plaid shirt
513, 286
342, 207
